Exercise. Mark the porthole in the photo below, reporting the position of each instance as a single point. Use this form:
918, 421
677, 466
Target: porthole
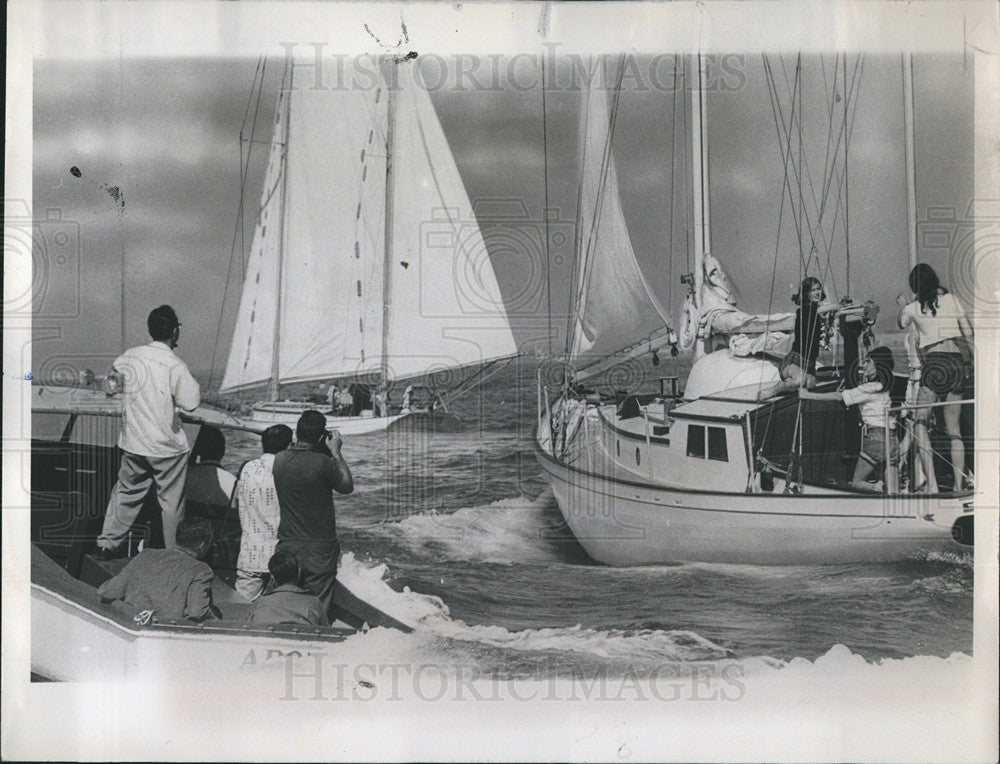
618, 448
638, 456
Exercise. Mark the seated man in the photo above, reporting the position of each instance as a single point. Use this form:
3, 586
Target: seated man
209, 485
287, 601
169, 583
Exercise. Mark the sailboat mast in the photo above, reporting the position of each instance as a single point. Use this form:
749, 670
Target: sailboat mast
272, 388
911, 162
699, 181
699, 166
390, 130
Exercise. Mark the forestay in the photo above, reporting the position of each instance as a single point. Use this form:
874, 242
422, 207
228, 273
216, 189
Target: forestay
616, 307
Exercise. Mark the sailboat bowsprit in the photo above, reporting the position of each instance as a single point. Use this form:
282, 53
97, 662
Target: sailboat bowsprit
366, 262
730, 470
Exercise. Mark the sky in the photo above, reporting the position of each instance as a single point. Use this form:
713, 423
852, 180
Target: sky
167, 133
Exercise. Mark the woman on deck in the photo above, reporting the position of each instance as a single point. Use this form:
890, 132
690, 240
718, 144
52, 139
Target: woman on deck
798, 369
945, 347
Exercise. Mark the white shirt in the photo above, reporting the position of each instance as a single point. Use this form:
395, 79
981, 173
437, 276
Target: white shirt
930, 328
259, 513
871, 400
157, 383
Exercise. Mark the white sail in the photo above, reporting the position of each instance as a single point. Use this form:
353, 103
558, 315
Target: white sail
442, 301
444, 305
616, 307
331, 315
252, 345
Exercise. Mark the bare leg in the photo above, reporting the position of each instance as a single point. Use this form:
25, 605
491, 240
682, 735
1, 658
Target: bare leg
923, 440
952, 425
792, 377
862, 470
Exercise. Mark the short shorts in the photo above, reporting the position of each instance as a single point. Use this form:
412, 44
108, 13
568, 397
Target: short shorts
873, 448
944, 373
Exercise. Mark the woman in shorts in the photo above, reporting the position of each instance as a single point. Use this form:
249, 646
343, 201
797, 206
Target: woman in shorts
798, 369
880, 447
945, 347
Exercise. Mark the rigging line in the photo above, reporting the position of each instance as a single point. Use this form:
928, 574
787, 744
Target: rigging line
238, 229
784, 137
545, 180
785, 147
253, 133
577, 231
581, 304
688, 171
606, 159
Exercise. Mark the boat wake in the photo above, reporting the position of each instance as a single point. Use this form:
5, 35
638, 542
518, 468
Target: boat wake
506, 532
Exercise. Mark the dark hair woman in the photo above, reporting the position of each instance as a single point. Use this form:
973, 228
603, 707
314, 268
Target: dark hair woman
799, 367
944, 338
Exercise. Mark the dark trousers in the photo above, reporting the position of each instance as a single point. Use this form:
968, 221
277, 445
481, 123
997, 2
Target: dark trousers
318, 560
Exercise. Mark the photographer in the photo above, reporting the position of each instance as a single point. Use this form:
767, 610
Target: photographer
304, 480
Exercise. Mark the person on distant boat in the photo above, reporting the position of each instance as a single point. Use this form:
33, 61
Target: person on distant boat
286, 601
872, 399
305, 481
331, 398
157, 383
945, 346
798, 369
257, 502
345, 401
169, 583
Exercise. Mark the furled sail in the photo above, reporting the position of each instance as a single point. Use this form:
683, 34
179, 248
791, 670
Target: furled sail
615, 307
434, 290
444, 305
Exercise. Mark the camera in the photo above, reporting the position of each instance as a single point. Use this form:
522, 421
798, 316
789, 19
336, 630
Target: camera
50, 245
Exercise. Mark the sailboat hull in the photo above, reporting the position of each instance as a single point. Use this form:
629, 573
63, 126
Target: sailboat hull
624, 523
279, 413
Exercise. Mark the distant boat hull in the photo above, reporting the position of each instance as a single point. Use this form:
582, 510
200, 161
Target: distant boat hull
288, 412
626, 523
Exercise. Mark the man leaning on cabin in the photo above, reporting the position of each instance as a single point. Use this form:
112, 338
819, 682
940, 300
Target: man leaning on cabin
168, 583
305, 479
156, 384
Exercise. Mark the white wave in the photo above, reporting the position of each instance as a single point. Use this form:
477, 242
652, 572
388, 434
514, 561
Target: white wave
369, 585
611, 644
506, 531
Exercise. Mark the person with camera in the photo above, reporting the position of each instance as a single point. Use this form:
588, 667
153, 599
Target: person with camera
155, 449
304, 479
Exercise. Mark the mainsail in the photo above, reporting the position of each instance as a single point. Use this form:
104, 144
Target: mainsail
616, 307
348, 305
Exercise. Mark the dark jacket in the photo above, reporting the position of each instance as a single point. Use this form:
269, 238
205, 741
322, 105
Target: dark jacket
290, 604
170, 582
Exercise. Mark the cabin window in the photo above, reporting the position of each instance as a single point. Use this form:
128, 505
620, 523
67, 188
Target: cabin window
618, 448
717, 444
637, 456
696, 441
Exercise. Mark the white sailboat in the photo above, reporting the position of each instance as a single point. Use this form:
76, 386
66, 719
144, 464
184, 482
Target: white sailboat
724, 472
367, 263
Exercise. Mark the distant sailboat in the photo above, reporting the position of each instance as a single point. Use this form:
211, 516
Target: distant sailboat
367, 263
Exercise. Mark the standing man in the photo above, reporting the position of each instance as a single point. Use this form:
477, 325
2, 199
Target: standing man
305, 480
157, 383
259, 513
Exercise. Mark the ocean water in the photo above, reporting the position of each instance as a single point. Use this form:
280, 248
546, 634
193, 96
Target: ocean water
464, 523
